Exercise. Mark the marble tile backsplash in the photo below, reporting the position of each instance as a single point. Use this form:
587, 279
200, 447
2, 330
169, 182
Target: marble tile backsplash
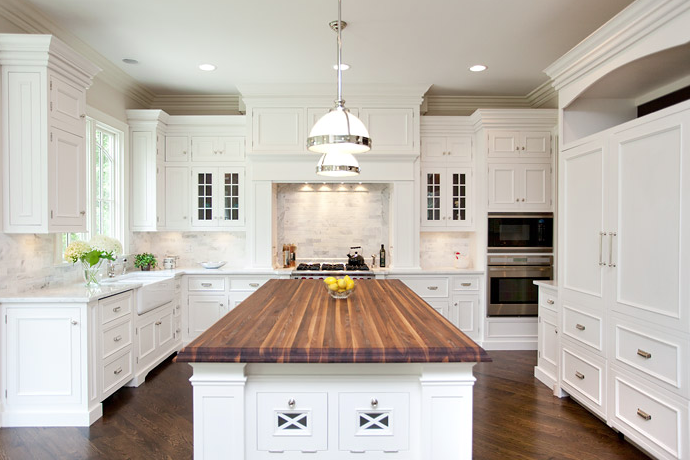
193, 247
325, 224
27, 262
437, 248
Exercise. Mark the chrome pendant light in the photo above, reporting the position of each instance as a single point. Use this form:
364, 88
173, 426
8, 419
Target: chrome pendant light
338, 134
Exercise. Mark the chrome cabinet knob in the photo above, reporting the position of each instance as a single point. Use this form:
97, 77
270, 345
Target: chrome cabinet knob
374, 402
291, 403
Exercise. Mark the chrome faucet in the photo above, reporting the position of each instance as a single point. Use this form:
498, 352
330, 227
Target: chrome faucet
110, 269
124, 266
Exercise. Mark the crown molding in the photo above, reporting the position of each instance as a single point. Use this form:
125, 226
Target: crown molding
31, 20
618, 35
188, 104
466, 105
544, 95
511, 118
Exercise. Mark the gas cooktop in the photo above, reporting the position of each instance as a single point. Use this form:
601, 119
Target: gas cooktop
332, 267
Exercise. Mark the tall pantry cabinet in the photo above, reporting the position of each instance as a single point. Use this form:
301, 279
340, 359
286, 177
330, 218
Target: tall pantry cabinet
44, 85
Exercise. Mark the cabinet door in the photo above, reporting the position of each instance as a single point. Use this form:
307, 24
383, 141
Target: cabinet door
433, 148
165, 330
433, 207
440, 306
143, 179
230, 197
204, 311
67, 193
146, 339
177, 197
504, 144
464, 314
459, 148
231, 148
204, 180
581, 237
278, 129
67, 106
205, 148
534, 187
502, 188
44, 355
548, 343
177, 149
535, 144
648, 258
392, 130
458, 198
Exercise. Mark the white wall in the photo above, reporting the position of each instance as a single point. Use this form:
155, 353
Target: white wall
437, 248
193, 247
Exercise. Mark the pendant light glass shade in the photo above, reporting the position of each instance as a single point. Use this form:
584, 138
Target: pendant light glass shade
337, 164
339, 131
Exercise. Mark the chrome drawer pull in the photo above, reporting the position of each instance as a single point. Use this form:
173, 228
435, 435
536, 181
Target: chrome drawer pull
116, 309
117, 339
579, 327
601, 249
579, 375
178, 330
643, 414
117, 371
644, 354
253, 284
206, 284
374, 402
611, 235
432, 288
549, 301
291, 403
158, 323
466, 284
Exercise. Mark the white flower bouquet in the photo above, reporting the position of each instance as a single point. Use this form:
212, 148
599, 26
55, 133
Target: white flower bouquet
92, 254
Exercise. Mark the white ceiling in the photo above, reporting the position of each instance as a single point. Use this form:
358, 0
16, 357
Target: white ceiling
289, 41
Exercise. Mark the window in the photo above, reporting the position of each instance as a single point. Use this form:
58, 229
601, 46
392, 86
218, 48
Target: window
105, 194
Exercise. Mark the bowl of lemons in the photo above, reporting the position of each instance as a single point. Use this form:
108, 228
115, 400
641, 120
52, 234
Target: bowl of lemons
339, 288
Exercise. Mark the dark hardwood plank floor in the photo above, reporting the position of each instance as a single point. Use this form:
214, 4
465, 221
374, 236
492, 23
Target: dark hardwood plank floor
515, 417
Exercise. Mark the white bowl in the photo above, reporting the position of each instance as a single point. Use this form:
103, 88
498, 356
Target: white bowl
212, 264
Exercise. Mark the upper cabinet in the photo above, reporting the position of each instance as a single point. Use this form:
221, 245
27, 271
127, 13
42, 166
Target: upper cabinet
520, 187
44, 85
519, 144
447, 149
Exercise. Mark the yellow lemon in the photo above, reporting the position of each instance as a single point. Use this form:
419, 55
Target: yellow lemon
333, 286
350, 285
347, 278
342, 283
341, 290
330, 280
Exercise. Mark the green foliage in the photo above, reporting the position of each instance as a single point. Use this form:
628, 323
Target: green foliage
144, 259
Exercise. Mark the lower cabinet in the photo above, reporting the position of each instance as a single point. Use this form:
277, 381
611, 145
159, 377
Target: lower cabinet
546, 369
204, 311
155, 340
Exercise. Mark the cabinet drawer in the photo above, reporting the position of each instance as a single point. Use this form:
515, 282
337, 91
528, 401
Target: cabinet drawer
585, 376
116, 338
583, 327
659, 420
428, 287
207, 283
657, 357
247, 285
374, 421
292, 421
115, 306
117, 372
548, 299
466, 283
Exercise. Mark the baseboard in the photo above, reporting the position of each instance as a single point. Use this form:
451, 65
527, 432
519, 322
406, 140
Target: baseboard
544, 378
509, 345
51, 419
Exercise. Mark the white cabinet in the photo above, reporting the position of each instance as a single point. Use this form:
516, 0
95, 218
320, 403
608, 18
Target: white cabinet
177, 149
446, 149
520, 187
116, 342
519, 144
546, 369
446, 198
217, 149
392, 130
205, 310
43, 134
218, 197
177, 192
155, 340
278, 129
464, 313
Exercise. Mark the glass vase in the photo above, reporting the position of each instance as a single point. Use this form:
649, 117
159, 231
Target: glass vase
91, 273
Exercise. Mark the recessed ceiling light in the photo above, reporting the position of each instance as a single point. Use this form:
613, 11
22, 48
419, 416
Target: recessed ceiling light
130, 61
343, 66
207, 67
478, 68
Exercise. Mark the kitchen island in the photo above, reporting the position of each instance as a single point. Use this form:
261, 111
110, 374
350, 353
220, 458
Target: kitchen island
293, 372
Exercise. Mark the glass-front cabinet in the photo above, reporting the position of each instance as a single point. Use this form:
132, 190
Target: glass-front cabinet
446, 198
219, 198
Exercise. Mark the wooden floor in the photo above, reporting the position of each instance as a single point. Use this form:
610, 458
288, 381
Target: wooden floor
515, 417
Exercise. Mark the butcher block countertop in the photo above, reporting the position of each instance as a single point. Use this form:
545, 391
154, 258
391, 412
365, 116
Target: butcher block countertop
296, 321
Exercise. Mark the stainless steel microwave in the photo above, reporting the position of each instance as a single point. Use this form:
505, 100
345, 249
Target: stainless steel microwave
528, 232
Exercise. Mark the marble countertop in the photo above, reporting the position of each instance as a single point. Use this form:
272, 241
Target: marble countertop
547, 283
78, 293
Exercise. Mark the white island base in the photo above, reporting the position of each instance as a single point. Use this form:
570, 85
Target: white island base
332, 411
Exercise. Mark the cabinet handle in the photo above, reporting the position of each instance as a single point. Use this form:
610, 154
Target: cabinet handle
158, 323
601, 248
523, 147
178, 330
206, 284
83, 213
579, 327
432, 288
517, 147
579, 375
184, 152
517, 200
74, 323
549, 301
611, 264
465, 284
522, 199
643, 414
82, 116
374, 402
117, 339
117, 371
291, 403
222, 305
116, 309
644, 354
253, 284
